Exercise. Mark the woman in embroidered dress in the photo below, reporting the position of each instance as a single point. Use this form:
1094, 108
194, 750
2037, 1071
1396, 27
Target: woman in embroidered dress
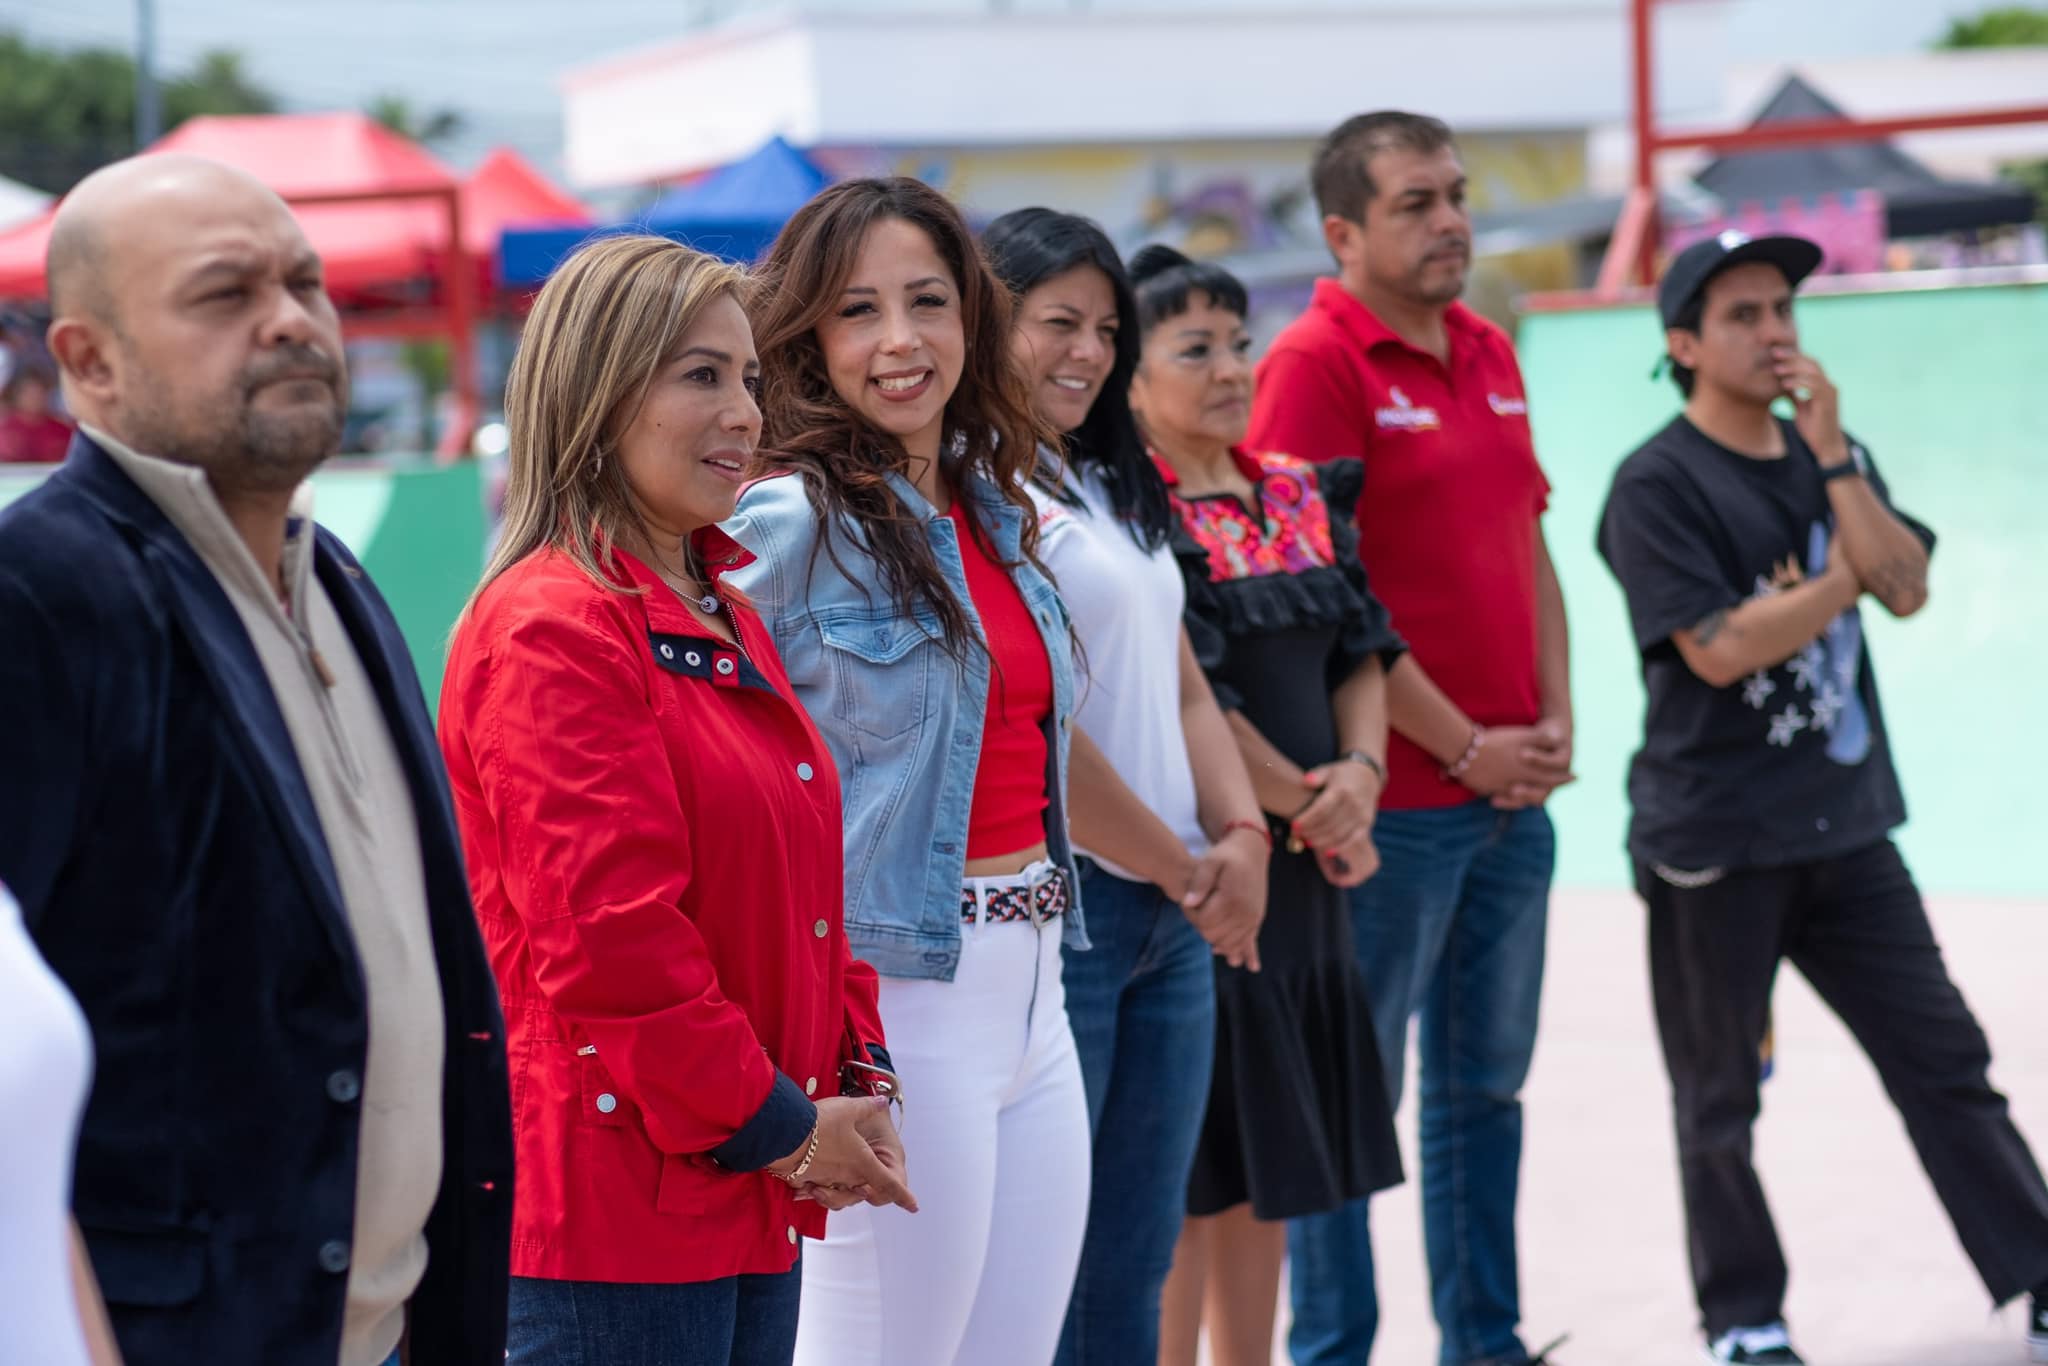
1296, 648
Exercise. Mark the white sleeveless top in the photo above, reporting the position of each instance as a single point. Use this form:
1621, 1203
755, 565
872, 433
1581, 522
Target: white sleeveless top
45, 1070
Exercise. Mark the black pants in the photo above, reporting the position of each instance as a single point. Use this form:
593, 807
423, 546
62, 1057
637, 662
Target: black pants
1856, 929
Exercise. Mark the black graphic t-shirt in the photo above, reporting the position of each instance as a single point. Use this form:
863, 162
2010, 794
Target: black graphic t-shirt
1790, 764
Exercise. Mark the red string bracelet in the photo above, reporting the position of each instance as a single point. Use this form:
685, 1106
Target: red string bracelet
1259, 828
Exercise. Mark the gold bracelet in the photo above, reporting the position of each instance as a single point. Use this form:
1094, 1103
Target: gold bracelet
796, 1174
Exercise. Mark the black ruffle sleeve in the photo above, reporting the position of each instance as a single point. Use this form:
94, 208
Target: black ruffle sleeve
1204, 618
1369, 629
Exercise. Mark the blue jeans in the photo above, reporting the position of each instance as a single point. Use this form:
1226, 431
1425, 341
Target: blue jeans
1142, 1003
1452, 926
734, 1321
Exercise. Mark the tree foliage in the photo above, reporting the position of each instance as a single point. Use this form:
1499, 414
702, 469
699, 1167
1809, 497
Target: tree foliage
65, 112
2005, 26
2008, 26
422, 126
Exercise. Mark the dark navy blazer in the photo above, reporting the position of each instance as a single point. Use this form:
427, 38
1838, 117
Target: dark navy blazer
159, 833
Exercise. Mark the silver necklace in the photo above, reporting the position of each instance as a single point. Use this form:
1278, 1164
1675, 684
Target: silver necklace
678, 578
709, 601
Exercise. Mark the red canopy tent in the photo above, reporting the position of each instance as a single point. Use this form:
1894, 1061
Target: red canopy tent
506, 191
386, 217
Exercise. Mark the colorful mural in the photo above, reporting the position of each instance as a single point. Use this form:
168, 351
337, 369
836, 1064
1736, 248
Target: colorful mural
1214, 198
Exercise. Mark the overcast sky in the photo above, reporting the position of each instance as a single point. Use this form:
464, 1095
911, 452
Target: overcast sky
495, 61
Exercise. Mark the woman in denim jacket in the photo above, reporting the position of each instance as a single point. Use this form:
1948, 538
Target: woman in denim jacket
896, 568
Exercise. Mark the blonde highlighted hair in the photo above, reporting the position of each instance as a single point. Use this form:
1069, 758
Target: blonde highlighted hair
599, 333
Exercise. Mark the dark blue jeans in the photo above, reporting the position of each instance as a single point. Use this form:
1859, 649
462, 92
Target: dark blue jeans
735, 1321
1142, 1003
1452, 926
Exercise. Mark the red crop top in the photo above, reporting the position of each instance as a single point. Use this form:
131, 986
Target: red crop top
1008, 813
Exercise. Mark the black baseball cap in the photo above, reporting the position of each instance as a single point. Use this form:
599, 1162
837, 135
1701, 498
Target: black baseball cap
1690, 270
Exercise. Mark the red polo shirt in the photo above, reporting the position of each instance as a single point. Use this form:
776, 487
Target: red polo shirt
1448, 520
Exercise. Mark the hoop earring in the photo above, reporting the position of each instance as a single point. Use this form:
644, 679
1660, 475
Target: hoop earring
597, 470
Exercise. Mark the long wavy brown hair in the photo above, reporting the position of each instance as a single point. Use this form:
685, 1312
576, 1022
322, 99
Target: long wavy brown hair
989, 425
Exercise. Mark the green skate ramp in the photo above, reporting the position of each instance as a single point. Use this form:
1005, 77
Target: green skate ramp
1949, 390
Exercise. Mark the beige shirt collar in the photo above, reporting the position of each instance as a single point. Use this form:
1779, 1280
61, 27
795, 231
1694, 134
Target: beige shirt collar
186, 498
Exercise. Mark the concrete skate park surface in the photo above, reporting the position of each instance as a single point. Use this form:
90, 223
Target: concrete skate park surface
1877, 1276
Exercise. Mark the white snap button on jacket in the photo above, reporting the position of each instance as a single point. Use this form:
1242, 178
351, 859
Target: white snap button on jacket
792, 1233
694, 659
606, 1103
668, 652
821, 929
805, 772
725, 666
810, 1086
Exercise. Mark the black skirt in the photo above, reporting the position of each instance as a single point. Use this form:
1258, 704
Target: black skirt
1299, 1120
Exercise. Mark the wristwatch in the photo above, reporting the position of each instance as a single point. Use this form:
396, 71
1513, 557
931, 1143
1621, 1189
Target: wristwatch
1359, 756
1858, 464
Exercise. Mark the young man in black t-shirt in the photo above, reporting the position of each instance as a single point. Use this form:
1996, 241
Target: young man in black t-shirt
1764, 795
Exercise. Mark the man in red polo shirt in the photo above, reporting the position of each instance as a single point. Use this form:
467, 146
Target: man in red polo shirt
1389, 367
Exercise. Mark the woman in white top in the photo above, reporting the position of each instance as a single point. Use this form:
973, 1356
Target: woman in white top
1174, 841
50, 1310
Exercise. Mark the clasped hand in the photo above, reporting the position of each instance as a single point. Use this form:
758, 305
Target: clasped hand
1225, 898
1519, 766
859, 1158
1337, 822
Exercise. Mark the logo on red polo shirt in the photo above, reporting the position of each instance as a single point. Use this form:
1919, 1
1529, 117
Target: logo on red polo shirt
1403, 415
1516, 406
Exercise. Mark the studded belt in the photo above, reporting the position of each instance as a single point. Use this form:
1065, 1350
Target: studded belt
1038, 894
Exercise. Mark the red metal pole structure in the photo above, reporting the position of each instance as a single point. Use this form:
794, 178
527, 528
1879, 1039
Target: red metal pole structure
1643, 60
461, 284
1808, 132
454, 319
1632, 251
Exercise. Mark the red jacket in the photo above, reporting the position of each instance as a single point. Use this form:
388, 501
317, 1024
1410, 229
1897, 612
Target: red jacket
652, 829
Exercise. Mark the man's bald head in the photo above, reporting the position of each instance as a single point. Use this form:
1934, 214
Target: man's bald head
192, 321
74, 267
128, 198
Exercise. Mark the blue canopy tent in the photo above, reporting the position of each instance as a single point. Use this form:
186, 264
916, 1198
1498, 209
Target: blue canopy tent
734, 212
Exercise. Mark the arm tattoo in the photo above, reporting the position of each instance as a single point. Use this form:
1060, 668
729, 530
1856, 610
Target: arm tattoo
1710, 626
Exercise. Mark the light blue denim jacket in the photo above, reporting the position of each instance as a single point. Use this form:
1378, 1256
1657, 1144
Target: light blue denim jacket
903, 720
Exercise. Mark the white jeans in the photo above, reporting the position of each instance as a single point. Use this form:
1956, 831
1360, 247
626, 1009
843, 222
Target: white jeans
995, 1134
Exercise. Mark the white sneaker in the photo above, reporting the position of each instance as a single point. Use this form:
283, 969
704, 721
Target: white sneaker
1765, 1345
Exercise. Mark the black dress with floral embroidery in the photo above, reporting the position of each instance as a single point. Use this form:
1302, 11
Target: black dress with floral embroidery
1279, 614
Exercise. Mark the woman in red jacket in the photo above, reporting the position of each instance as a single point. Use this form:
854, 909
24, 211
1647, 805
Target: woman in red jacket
652, 827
